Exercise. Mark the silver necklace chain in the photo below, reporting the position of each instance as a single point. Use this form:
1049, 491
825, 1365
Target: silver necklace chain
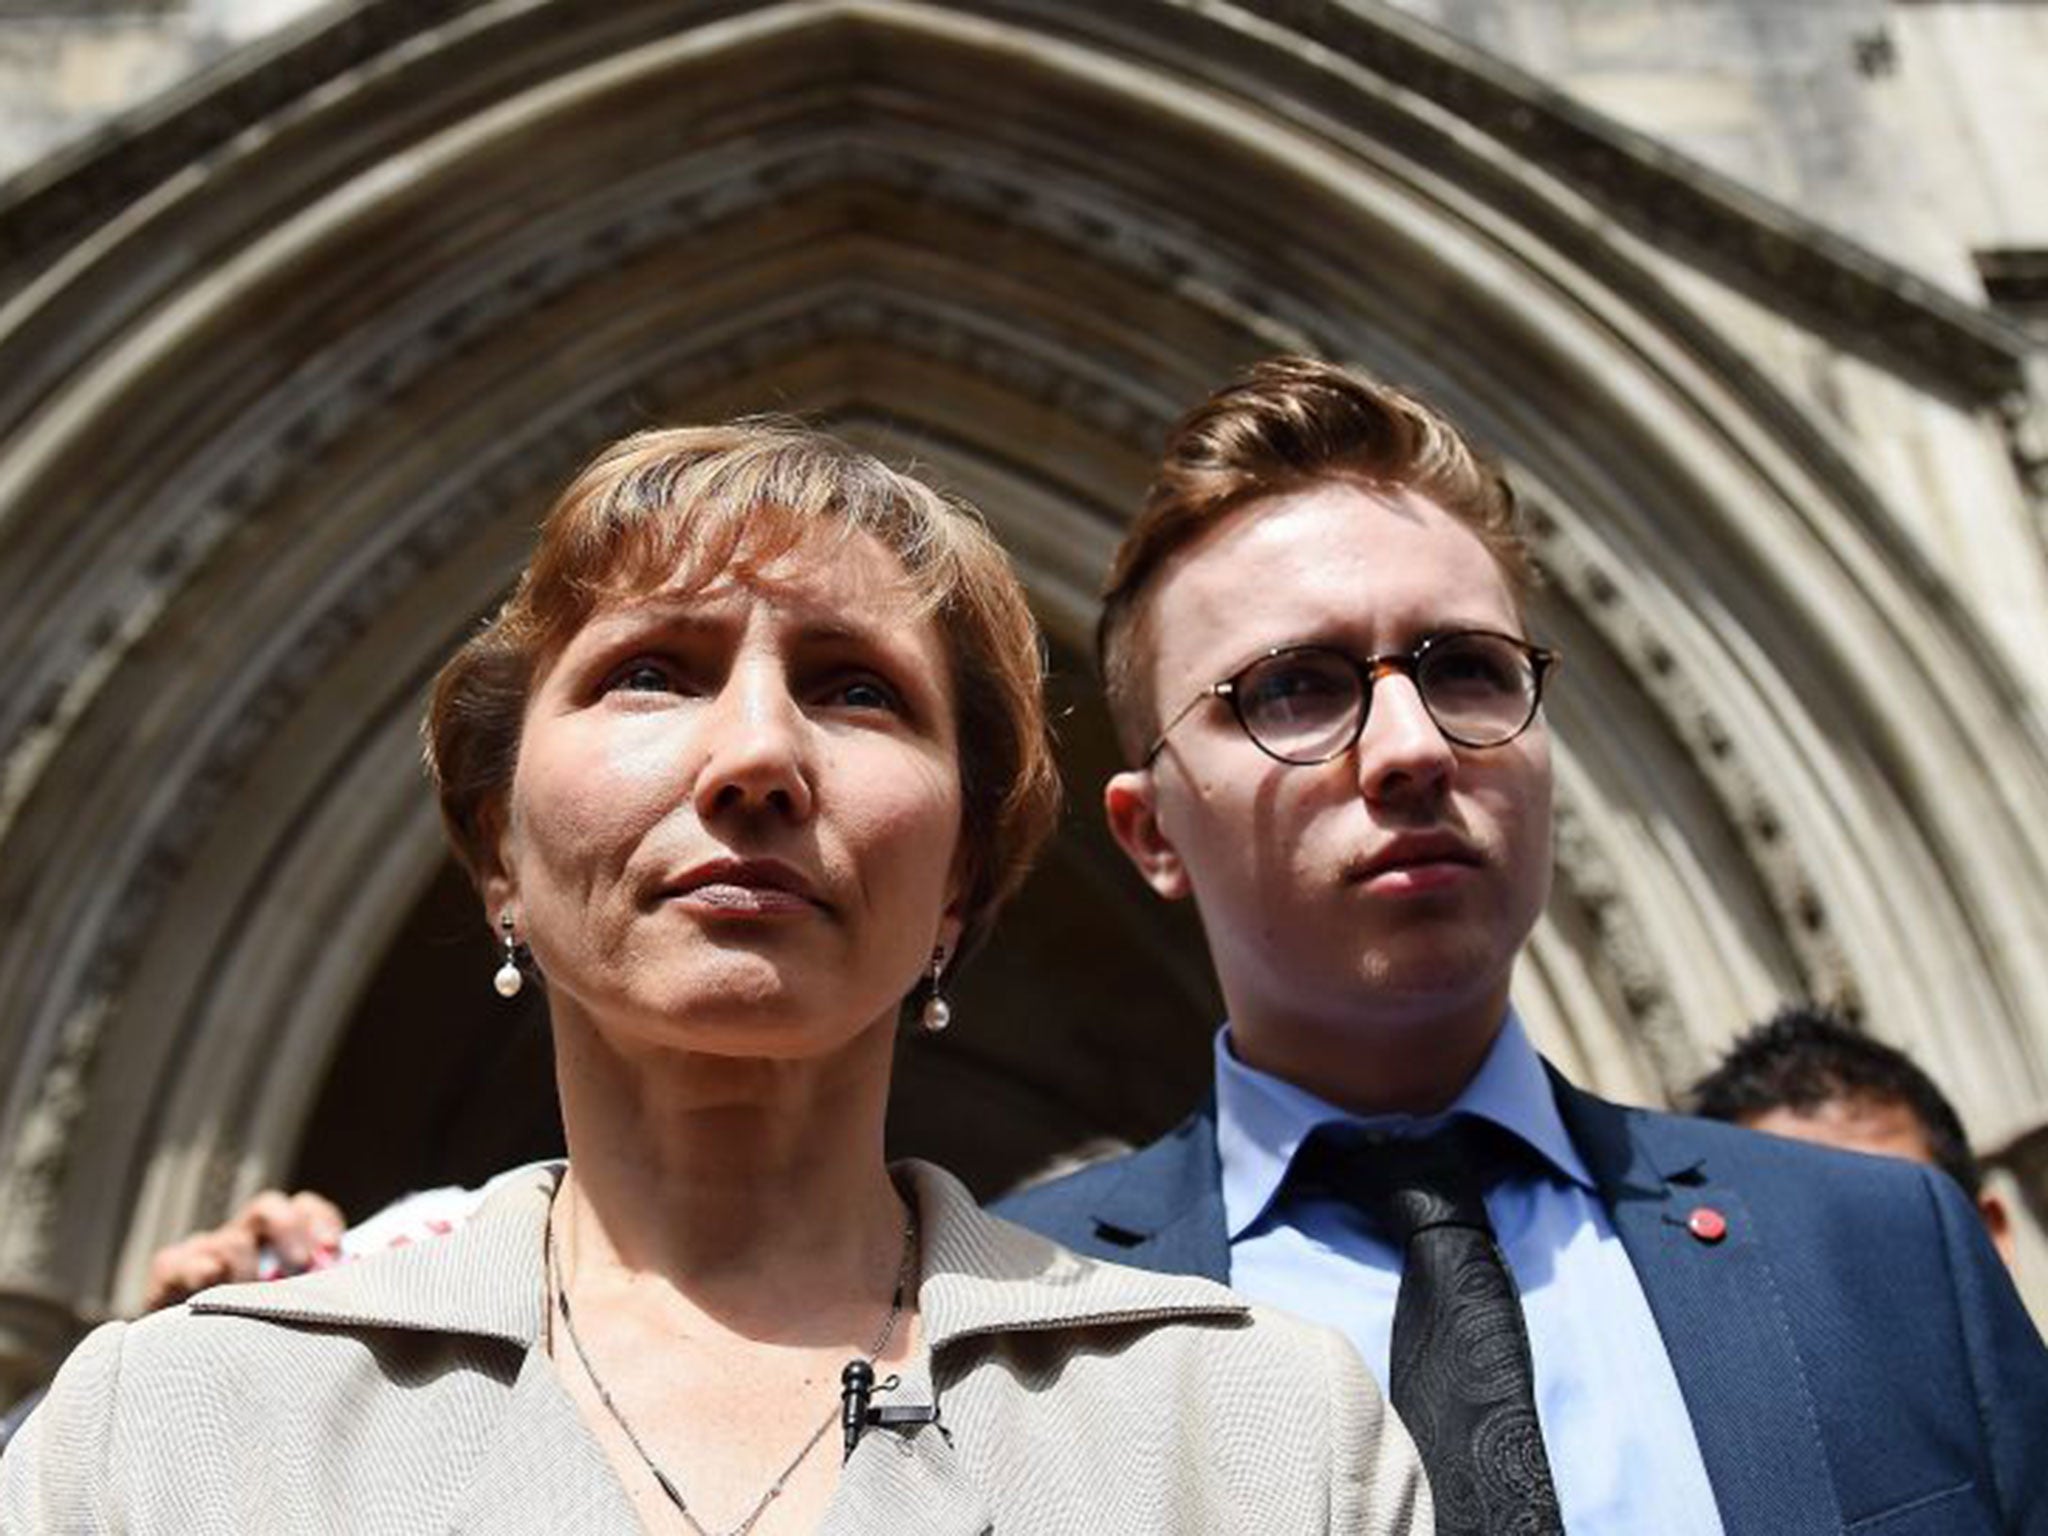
661, 1478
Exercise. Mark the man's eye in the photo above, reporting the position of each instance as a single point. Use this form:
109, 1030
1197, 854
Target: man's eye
1477, 668
1300, 682
1296, 684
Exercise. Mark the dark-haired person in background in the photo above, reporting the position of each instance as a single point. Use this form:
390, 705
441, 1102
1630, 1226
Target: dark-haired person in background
1809, 1074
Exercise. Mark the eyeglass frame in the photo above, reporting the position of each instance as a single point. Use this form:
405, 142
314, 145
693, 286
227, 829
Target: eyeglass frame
1370, 669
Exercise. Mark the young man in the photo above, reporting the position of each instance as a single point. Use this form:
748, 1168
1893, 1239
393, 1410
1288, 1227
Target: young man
1315, 650
1806, 1073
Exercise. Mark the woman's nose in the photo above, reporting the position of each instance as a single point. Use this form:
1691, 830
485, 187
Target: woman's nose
754, 749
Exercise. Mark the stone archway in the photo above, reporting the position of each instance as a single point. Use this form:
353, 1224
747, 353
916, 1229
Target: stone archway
277, 425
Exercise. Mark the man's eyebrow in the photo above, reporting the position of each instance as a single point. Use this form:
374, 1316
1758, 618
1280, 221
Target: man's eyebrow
1338, 636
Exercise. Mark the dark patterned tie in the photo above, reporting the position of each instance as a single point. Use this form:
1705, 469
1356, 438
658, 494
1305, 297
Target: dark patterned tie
1462, 1381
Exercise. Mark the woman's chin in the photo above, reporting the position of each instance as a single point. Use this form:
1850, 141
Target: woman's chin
778, 1027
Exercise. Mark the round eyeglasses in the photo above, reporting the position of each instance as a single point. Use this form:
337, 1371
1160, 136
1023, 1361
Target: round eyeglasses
1305, 704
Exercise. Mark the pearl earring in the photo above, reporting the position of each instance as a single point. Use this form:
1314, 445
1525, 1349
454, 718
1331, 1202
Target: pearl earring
510, 978
937, 1013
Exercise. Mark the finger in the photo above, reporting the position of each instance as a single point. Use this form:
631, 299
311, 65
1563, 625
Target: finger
321, 1220
165, 1282
261, 1211
234, 1251
184, 1269
270, 1220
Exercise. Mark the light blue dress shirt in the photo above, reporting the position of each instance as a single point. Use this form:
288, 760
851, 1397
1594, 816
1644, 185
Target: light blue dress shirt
1622, 1450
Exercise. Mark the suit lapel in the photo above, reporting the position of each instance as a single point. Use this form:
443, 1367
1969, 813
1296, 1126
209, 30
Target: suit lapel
1717, 1306
1165, 1212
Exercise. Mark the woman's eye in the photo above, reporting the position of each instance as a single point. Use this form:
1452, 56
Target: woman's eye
641, 676
866, 693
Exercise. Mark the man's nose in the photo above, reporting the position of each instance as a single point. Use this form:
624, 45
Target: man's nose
754, 744
1401, 752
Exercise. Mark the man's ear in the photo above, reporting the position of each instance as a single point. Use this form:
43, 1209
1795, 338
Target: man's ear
1998, 1222
1130, 800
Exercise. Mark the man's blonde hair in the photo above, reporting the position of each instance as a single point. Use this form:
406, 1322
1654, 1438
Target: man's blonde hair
1286, 424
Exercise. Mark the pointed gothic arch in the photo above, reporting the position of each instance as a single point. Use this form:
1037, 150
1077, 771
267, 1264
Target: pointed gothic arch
288, 372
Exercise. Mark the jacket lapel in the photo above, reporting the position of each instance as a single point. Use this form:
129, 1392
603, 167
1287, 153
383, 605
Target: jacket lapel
542, 1470
1717, 1306
907, 1481
984, 1277
1165, 1211
536, 1466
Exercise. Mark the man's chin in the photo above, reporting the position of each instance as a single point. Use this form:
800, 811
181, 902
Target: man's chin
1427, 987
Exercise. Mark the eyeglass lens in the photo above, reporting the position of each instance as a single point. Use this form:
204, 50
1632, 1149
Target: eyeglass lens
1307, 704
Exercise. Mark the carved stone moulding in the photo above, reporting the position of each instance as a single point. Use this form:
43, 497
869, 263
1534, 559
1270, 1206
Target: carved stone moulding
1858, 300
291, 470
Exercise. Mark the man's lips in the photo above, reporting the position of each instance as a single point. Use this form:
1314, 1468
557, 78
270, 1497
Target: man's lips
757, 887
1418, 862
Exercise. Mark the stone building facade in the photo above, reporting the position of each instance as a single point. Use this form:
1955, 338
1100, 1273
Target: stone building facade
305, 311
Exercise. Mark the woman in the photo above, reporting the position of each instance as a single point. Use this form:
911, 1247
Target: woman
754, 751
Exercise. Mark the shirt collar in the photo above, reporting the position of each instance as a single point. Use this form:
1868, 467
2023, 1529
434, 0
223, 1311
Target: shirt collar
1262, 1120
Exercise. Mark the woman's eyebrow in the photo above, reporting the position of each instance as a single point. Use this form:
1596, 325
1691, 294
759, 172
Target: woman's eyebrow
652, 612
836, 631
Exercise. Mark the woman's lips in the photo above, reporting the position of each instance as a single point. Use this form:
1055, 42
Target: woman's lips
744, 888
744, 900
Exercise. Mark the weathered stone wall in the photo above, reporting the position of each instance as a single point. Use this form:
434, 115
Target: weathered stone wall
67, 68
1918, 130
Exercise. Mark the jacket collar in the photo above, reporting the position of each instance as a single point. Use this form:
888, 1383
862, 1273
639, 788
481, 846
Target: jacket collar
1165, 1201
981, 1275
985, 1275
1170, 1192
1631, 1155
482, 1278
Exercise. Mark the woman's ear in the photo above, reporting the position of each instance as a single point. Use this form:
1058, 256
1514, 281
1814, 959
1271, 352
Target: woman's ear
500, 896
1130, 800
952, 921
959, 888
496, 880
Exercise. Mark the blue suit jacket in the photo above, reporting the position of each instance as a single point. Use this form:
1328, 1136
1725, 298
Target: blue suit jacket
1852, 1353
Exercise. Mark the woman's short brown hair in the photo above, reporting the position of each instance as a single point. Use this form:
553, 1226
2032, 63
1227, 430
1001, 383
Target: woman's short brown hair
1286, 424
677, 506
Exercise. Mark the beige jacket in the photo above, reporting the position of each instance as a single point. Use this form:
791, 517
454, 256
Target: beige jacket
405, 1393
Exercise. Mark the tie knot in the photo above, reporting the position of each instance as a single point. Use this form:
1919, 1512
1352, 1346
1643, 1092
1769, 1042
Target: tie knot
1407, 1184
